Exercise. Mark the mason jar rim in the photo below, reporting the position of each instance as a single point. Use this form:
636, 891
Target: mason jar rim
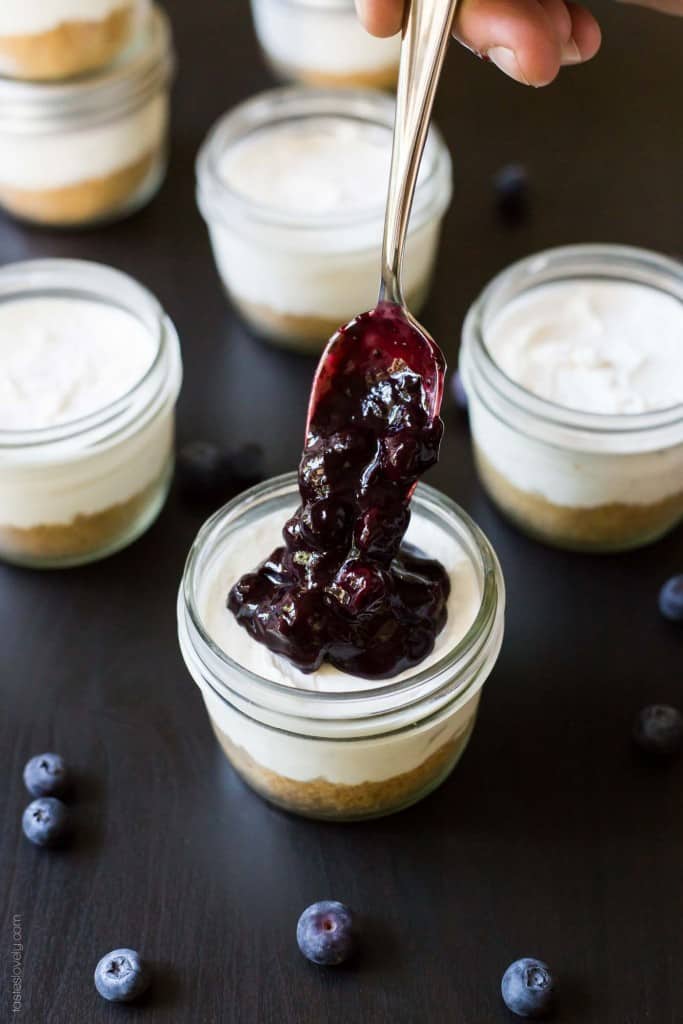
296, 103
464, 653
93, 282
607, 261
145, 65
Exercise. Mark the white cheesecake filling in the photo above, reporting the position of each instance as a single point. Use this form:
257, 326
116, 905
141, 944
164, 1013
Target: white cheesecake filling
313, 166
605, 347
599, 347
31, 17
328, 168
323, 38
50, 160
62, 359
328, 286
56, 494
370, 758
571, 478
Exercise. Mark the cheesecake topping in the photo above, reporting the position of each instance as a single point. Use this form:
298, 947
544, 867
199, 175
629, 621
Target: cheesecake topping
343, 587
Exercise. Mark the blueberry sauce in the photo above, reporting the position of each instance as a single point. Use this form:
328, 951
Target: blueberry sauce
344, 588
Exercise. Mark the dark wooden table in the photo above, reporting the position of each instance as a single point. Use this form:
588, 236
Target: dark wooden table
551, 838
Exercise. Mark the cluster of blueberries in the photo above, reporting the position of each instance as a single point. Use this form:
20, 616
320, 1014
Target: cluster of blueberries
121, 975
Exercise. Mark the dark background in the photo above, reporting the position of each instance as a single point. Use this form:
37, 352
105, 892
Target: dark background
552, 838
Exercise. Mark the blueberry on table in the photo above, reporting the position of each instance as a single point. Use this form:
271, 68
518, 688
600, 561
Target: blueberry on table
671, 599
122, 976
325, 933
511, 183
45, 821
658, 729
528, 988
247, 465
204, 472
46, 775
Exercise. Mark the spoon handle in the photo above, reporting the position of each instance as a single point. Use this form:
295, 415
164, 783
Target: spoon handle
426, 32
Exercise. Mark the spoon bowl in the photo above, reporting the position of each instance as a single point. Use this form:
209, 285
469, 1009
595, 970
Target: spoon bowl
382, 341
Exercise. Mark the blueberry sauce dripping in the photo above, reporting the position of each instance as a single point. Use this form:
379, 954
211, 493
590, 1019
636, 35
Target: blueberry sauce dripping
344, 587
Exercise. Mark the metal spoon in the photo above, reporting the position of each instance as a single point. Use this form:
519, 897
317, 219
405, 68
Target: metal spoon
390, 331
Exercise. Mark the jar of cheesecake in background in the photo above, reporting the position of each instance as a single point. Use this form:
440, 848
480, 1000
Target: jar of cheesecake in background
573, 364
336, 746
322, 43
53, 39
92, 149
292, 185
90, 372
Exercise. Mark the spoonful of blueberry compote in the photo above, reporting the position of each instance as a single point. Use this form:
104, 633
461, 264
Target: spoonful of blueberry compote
389, 332
345, 588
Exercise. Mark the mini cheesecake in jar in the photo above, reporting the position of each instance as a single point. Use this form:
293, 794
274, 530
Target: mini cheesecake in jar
322, 43
292, 185
89, 377
92, 149
329, 744
55, 39
573, 364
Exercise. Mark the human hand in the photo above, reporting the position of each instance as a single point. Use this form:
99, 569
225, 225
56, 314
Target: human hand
530, 40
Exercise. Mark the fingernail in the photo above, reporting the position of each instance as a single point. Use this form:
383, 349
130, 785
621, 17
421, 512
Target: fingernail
571, 53
506, 60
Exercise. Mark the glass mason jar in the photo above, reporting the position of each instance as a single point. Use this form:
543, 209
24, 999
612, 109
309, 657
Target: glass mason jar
295, 277
92, 149
573, 479
82, 489
52, 39
322, 43
353, 753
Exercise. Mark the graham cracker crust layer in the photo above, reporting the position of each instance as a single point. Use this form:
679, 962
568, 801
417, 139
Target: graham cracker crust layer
69, 49
612, 527
88, 201
306, 333
319, 798
84, 536
299, 332
382, 78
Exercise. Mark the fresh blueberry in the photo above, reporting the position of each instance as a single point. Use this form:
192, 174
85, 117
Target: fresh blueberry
325, 933
458, 391
658, 729
359, 586
671, 599
247, 465
45, 821
46, 775
528, 988
121, 976
204, 473
511, 183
